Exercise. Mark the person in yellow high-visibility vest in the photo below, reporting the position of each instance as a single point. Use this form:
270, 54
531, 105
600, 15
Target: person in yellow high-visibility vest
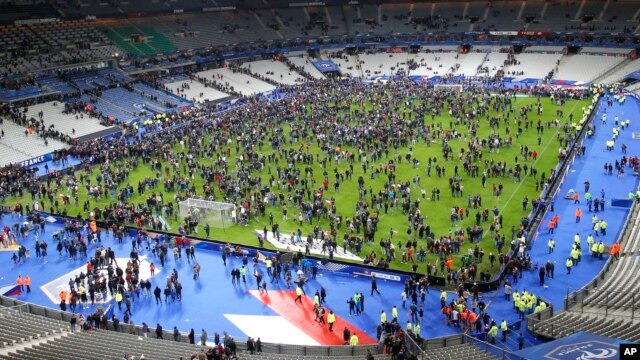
394, 313
493, 333
119, 300
600, 250
522, 308
383, 317
408, 326
268, 263
331, 318
574, 256
603, 227
536, 309
353, 341
298, 294
505, 328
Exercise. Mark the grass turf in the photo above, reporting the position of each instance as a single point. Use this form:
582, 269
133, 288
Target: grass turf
437, 212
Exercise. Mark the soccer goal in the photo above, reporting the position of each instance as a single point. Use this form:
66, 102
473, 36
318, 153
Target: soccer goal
450, 87
200, 212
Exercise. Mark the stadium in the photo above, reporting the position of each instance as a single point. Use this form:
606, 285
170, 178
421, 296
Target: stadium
220, 179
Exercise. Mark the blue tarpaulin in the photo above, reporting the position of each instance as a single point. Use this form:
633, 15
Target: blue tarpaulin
326, 66
634, 75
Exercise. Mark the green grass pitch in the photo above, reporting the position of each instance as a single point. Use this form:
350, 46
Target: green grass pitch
437, 212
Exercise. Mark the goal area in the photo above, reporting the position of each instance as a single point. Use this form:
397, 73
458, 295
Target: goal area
201, 212
457, 88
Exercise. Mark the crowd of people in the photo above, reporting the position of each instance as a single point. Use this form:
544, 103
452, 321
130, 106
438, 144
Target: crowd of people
321, 114
291, 185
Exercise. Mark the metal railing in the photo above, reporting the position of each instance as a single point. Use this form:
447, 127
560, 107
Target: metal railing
576, 300
579, 300
313, 350
13, 310
413, 347
494, 350
538, 317
548, 329
606, 305
421, 350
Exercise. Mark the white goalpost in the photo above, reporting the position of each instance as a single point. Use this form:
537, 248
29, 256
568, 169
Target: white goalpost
449, 87
217, 214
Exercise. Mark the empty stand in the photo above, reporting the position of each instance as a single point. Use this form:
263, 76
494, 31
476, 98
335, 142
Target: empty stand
139, 40
397, 18
66, 123
107, 109
132, 102
169, 100
435, 63
348, 64
383, 64
533, 65
18, 326
504, 16
242, 83
585, 68
462, 351
604, 50
195, 91
275, 70
468, 64
493, 63
553, 16
459, 346
300, 59
26, 48
567, 323
620, 72
18, 146
104, 345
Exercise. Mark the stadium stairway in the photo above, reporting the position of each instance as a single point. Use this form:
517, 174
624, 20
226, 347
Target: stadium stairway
121, 43
157, 40
128, 31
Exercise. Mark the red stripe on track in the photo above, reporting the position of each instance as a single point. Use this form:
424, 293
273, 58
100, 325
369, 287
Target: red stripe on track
303, 317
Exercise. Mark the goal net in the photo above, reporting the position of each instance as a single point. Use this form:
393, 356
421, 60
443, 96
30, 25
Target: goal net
200, 212
456, 88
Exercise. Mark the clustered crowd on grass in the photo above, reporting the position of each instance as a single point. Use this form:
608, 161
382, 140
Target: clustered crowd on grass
402, 174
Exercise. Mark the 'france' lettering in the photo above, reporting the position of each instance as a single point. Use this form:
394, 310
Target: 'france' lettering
35, 160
